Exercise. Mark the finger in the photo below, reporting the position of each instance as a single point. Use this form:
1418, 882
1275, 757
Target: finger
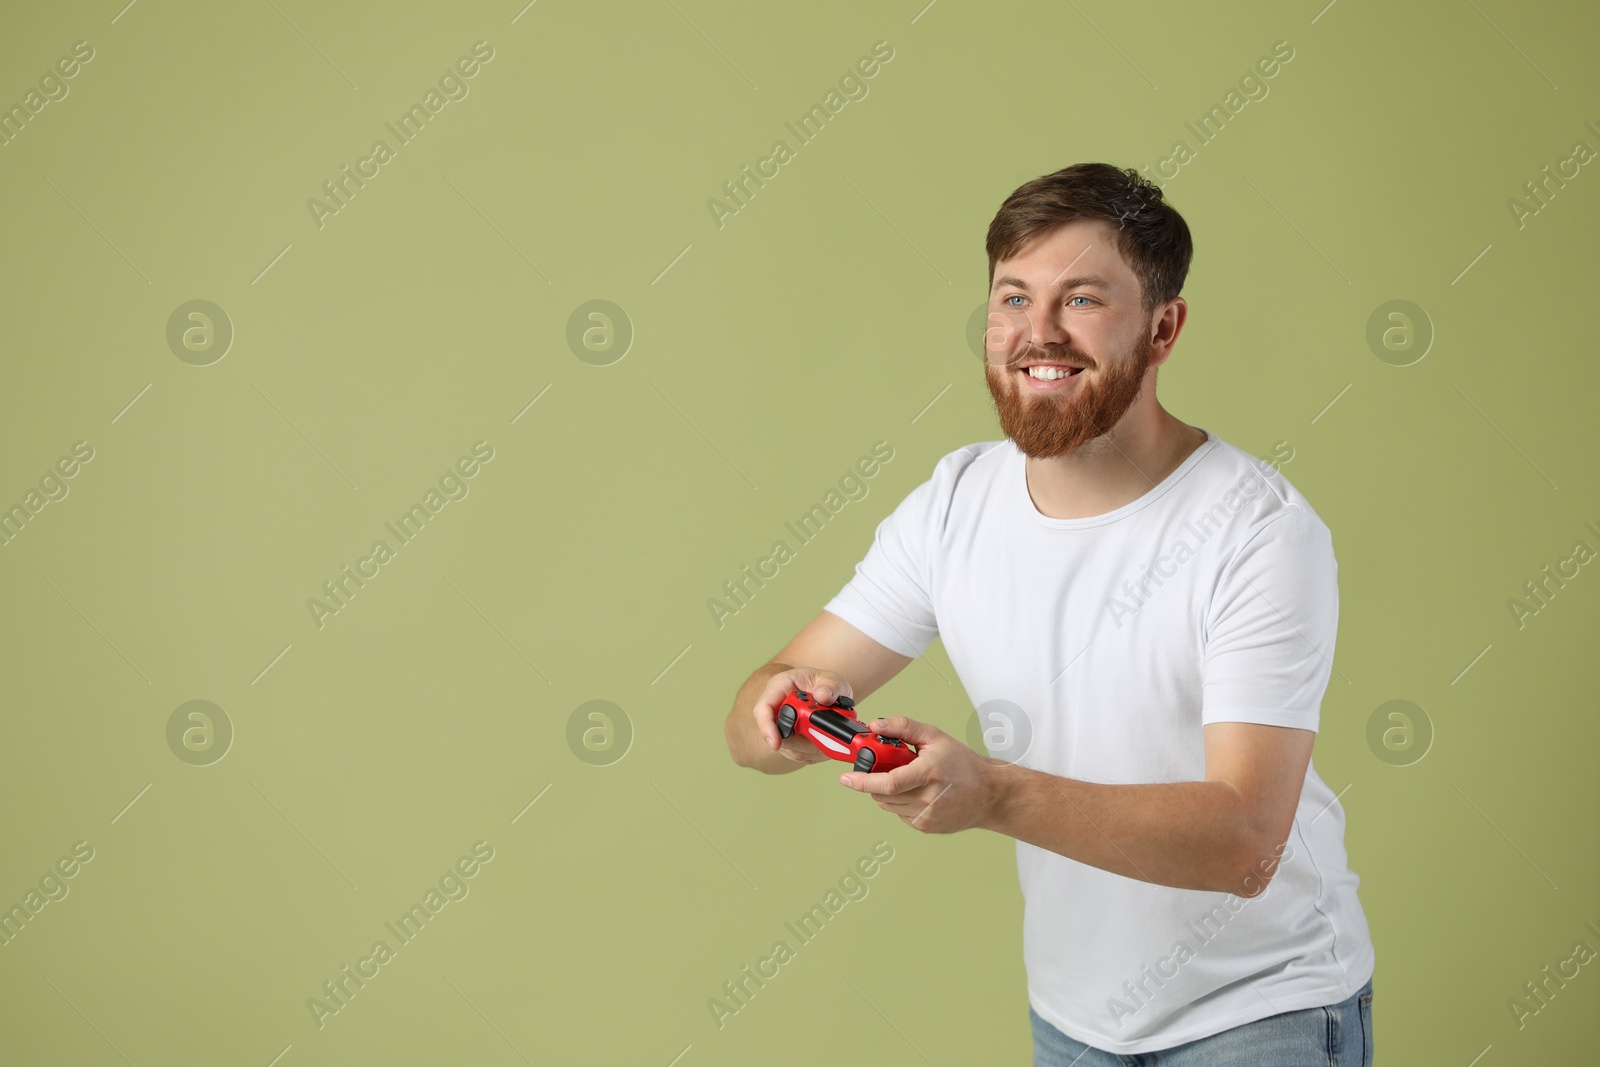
904, 803
765, 709
899, 780
917, 733
800, 750
825, 688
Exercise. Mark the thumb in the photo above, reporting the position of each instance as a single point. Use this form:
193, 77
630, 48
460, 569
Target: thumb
825, 690
917, 733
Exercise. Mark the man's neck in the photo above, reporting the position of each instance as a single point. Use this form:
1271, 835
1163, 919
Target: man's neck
1112, 470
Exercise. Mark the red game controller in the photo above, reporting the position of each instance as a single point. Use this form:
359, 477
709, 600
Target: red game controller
836, 731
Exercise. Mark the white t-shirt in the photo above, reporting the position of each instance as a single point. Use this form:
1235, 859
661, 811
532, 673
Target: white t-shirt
1105, 644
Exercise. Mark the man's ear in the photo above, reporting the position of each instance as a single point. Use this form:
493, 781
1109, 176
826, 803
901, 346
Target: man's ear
1165, 327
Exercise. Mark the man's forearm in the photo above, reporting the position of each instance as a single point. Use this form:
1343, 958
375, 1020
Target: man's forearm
1191, 835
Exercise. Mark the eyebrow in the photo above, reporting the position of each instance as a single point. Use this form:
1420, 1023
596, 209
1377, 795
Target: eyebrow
1079, 281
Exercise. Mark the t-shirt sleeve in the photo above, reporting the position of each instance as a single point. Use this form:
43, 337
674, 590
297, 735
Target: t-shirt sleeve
890, 599
1271, 627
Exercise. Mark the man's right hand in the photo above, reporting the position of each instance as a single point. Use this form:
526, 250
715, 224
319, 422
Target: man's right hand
750, 727
823, 687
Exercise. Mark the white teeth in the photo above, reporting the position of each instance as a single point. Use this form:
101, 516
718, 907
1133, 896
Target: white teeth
1049, 374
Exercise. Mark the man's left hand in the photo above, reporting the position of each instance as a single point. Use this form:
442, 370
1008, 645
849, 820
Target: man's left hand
949, 787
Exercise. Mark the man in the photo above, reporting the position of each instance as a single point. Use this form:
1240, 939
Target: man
1154, 611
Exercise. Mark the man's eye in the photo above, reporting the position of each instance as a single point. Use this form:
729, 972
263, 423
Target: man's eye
1013, 296
1070, 299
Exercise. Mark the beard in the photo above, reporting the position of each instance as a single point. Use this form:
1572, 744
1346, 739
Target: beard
1044, 425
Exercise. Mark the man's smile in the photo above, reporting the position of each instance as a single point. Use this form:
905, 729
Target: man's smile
1049, 377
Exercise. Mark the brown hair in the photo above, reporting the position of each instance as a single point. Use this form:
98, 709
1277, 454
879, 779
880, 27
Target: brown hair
1150, 234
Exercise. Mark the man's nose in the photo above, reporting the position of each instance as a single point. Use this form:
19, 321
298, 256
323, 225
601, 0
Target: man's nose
1044, 327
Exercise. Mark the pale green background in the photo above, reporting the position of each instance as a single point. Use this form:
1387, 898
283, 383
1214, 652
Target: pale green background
767, 359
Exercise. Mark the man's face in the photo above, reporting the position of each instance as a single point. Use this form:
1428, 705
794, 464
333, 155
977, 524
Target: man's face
1066, 298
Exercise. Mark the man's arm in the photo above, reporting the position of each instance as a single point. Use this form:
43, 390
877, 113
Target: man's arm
1223, 834
844, 659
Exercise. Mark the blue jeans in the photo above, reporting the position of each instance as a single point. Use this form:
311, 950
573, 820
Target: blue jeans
1339, 1035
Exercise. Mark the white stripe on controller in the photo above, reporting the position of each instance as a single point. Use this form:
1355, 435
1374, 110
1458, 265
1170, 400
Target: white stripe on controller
823, 739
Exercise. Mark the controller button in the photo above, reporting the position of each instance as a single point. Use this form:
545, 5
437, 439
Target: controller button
865, 759
844, 702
